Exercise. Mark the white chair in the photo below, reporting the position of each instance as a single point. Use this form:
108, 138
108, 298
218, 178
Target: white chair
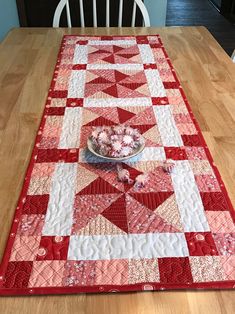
233, 56
65, 3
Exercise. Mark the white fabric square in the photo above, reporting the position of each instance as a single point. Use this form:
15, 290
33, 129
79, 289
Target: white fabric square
146, 53
155, 84
188, 198
59, 215
77, 84
133, 246
120, 42
70, 135
80, 54
117, 102
166, 124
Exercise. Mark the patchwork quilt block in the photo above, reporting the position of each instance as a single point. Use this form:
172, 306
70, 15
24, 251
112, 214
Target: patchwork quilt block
76, 227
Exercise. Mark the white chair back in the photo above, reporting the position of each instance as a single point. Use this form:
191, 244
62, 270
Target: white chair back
65, 3
233, 56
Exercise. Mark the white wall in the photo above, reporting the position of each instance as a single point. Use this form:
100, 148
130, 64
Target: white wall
157, 11
8, 16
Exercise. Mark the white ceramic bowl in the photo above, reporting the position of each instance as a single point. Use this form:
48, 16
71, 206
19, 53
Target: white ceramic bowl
136, 152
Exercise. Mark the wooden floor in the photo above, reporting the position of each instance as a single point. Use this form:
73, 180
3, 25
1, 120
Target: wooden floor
202, 12
27, 59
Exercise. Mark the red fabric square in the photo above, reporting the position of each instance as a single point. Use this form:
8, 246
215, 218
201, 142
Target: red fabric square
191, 140
156, 45
171, 85
200, 243
53, 248
79, 67
58, 94
175, 153
175, 270
160, 101
55, 111
56, 155
214, 201
74, 102
36, 204
106, 37
82, 42
17, 274
150, 66
142, 40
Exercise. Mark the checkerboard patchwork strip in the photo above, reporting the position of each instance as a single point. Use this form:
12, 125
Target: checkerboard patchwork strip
76, 227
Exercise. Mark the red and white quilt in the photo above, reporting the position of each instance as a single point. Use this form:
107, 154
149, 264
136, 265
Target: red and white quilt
78, 229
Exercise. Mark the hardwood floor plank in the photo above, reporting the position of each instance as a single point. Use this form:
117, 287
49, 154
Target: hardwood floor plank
202, 12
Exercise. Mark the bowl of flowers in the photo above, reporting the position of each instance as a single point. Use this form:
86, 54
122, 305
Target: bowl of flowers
115, 143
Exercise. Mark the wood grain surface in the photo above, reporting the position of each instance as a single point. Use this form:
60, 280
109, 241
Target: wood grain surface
207, 74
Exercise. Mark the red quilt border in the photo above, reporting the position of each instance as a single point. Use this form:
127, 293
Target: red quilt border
105, 288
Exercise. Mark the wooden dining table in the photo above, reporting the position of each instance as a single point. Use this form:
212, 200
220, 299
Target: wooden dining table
207, 74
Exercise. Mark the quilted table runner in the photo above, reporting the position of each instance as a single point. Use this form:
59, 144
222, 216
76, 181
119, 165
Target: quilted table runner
76, 227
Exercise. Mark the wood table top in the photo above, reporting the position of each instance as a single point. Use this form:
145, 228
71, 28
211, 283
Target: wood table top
207, 74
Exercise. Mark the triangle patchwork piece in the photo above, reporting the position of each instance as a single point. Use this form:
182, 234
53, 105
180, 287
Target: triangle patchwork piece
108, 172
112, 91
94, 89
88, 116
135, 109
100, 226
84, 178
144, 117
142, 127
124, 115
116, 213
119, 76
124, 92
133, 174
145, 166
109, 59
153, 135
117, 48
127, 55
143, 89
100, 121
158, 182
106, 113
100, 80
151, 200
88, 207
169, 211
99, 186
132, 86
143, 220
